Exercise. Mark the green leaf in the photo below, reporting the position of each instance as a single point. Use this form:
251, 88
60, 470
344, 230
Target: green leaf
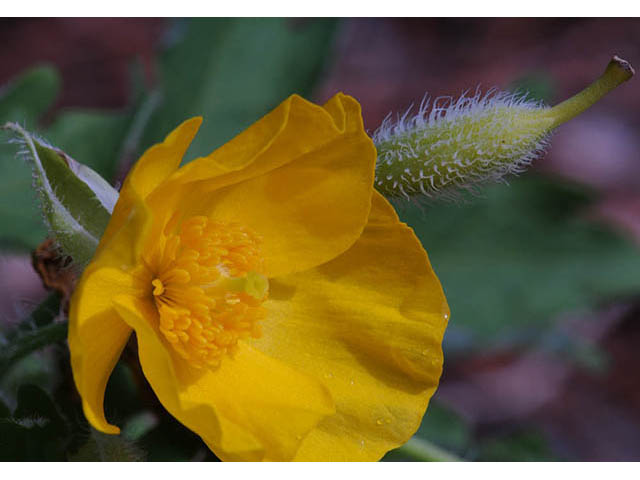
512, 261
76, 202
30, 95
233, 71
24, 100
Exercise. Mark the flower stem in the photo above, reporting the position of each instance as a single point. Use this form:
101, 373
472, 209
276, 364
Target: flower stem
29, 341
617, 72
423, 450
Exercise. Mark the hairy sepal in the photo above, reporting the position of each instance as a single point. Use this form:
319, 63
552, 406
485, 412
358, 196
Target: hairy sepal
75, 201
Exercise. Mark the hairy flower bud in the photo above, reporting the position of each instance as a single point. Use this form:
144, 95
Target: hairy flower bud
76, 202
458, 144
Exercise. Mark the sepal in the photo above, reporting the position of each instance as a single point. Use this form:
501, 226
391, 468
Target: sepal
76, 202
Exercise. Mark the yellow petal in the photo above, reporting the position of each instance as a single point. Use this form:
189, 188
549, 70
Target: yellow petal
250, 408
163, 159
306, 190
155, 166
370, 323
128, 235
346, 113
97, 336
293, 128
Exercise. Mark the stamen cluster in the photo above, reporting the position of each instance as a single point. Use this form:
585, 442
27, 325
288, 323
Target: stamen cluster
193, 270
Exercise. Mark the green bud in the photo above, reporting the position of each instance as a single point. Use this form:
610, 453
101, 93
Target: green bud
458, 144
75, 201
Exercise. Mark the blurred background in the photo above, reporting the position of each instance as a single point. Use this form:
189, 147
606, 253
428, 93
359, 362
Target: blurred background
542, 275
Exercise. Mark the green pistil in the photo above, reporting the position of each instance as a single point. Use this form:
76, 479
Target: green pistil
253, 284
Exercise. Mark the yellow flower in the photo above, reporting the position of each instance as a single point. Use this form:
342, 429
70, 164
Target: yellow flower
282, 311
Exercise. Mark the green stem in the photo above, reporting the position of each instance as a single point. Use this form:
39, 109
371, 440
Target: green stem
618, 71
423, 450
29, 341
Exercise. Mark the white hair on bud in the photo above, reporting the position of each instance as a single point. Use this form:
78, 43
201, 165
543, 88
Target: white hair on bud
452, 145
25, 155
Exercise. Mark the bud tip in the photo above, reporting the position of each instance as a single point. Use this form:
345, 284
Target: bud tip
623, 65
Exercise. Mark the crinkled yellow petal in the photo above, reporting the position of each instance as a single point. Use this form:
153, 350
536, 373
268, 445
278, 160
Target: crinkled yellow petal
370, 324
154, 167
97, 336
293, 128
250, 408
301, 178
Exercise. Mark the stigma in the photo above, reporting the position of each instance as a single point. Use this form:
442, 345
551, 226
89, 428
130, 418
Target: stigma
158, 287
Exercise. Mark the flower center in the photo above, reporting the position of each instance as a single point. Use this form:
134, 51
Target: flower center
208, 288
